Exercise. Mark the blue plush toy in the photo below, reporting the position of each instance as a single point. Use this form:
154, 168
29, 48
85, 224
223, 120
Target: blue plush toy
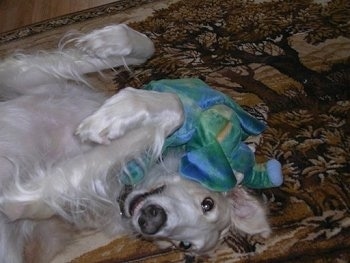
212, 137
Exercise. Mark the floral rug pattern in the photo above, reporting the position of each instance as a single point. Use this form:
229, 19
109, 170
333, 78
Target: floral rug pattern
286, 62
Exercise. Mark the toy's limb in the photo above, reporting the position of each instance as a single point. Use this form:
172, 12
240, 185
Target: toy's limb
274, 170
265, 175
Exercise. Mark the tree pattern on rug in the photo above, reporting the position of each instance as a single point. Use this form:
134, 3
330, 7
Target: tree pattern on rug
286, 62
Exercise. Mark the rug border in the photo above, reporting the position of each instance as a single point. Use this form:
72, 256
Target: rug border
69, 19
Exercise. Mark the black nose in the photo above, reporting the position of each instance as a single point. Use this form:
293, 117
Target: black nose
152, 218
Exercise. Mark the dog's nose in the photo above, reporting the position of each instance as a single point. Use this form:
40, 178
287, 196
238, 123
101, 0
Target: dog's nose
152, 218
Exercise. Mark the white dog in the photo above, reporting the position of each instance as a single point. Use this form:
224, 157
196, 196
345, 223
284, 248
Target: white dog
63, 146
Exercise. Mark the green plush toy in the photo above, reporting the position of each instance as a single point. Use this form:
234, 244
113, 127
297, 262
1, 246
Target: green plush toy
212, 137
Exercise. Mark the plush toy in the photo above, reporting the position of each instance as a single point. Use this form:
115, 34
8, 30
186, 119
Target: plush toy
212, 137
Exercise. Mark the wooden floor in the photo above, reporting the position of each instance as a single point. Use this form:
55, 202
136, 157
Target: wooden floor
18, 13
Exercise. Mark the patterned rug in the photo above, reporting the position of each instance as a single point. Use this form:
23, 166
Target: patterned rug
287, 62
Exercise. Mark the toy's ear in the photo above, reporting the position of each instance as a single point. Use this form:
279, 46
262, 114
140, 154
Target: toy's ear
209, 167
248, 214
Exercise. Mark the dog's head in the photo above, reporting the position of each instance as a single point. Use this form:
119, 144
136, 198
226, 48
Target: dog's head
182, 213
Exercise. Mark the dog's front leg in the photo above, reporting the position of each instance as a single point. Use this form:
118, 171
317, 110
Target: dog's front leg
111, 46
131, 109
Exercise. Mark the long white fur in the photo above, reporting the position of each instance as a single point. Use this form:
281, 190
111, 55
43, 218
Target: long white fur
63, 146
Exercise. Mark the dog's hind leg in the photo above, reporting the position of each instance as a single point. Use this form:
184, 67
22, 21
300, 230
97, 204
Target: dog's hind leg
100, 49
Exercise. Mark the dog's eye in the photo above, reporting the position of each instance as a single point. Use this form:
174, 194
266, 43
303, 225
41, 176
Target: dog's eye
185, 245
207, 204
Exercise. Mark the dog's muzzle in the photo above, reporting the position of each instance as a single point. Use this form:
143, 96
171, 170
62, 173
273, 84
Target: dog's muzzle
152, 217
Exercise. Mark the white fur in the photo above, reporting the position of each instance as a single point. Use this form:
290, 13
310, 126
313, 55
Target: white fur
63, 147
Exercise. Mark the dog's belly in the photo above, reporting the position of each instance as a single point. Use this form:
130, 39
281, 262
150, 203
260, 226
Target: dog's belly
40, 130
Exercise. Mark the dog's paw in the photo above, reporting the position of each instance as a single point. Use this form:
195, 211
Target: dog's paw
117, 114
130, 109
104, 124
115, 40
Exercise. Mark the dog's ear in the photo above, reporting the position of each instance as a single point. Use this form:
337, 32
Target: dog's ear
248, 214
